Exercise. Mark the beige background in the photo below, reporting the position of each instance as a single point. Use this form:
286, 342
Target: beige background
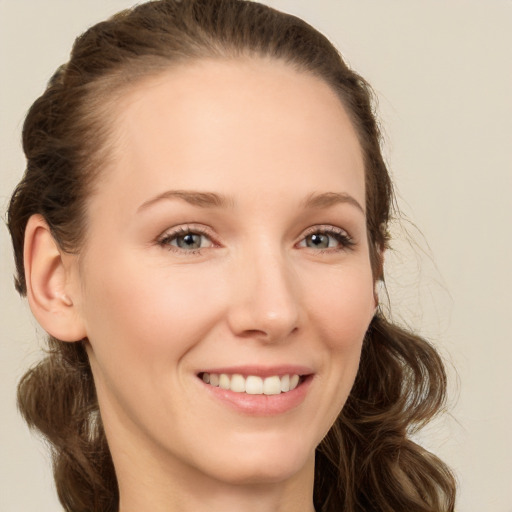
442, 71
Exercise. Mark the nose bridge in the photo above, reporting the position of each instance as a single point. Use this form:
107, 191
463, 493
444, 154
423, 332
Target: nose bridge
265, 300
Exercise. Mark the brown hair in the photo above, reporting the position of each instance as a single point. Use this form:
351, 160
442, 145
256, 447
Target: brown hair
367, 462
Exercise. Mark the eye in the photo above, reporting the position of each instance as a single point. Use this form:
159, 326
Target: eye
323, 238
320, 241
185, 239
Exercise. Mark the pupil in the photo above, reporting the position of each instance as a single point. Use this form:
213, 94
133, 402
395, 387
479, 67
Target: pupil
319, 240
189, 241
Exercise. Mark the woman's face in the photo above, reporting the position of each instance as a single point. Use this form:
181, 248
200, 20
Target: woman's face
226, 241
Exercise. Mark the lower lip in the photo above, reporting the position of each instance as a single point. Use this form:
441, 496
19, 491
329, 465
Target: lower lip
261, 405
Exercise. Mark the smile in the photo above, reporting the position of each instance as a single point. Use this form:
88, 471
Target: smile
252, 384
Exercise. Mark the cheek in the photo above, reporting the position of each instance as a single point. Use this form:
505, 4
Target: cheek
341, 308
141, 325
343, 305
140, 312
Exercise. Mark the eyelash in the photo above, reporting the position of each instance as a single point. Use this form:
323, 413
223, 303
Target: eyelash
340, 235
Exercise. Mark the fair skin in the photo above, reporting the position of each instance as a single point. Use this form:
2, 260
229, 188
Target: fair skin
228, 235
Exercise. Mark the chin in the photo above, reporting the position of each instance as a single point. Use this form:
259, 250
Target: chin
264, 466
260, 476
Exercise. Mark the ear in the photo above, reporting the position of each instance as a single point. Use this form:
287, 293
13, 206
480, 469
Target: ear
50, 290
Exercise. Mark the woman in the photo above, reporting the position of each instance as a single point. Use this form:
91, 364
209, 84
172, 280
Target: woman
200, 230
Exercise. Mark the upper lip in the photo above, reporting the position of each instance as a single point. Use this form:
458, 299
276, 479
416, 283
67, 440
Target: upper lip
260, 370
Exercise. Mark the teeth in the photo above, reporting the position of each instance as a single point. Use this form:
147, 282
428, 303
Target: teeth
237, 383
252, 384
224, 381
272, 386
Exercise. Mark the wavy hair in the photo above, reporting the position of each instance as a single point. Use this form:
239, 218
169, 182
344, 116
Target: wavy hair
367, 462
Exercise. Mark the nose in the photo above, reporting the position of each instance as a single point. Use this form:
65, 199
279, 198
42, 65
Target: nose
265, 297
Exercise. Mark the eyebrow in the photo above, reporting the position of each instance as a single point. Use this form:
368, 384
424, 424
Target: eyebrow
214, 200
196, 198
327, 199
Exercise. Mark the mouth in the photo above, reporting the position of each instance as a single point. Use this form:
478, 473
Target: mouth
253, 384
258, 390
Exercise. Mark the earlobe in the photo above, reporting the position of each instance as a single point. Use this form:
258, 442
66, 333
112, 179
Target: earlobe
379, 278
49, 287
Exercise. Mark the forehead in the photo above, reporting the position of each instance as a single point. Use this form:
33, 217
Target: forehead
229, 125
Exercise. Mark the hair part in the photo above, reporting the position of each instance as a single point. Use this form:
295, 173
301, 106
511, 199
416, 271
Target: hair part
367, 462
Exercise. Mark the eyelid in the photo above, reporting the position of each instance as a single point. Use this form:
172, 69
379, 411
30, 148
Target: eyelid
325, 228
